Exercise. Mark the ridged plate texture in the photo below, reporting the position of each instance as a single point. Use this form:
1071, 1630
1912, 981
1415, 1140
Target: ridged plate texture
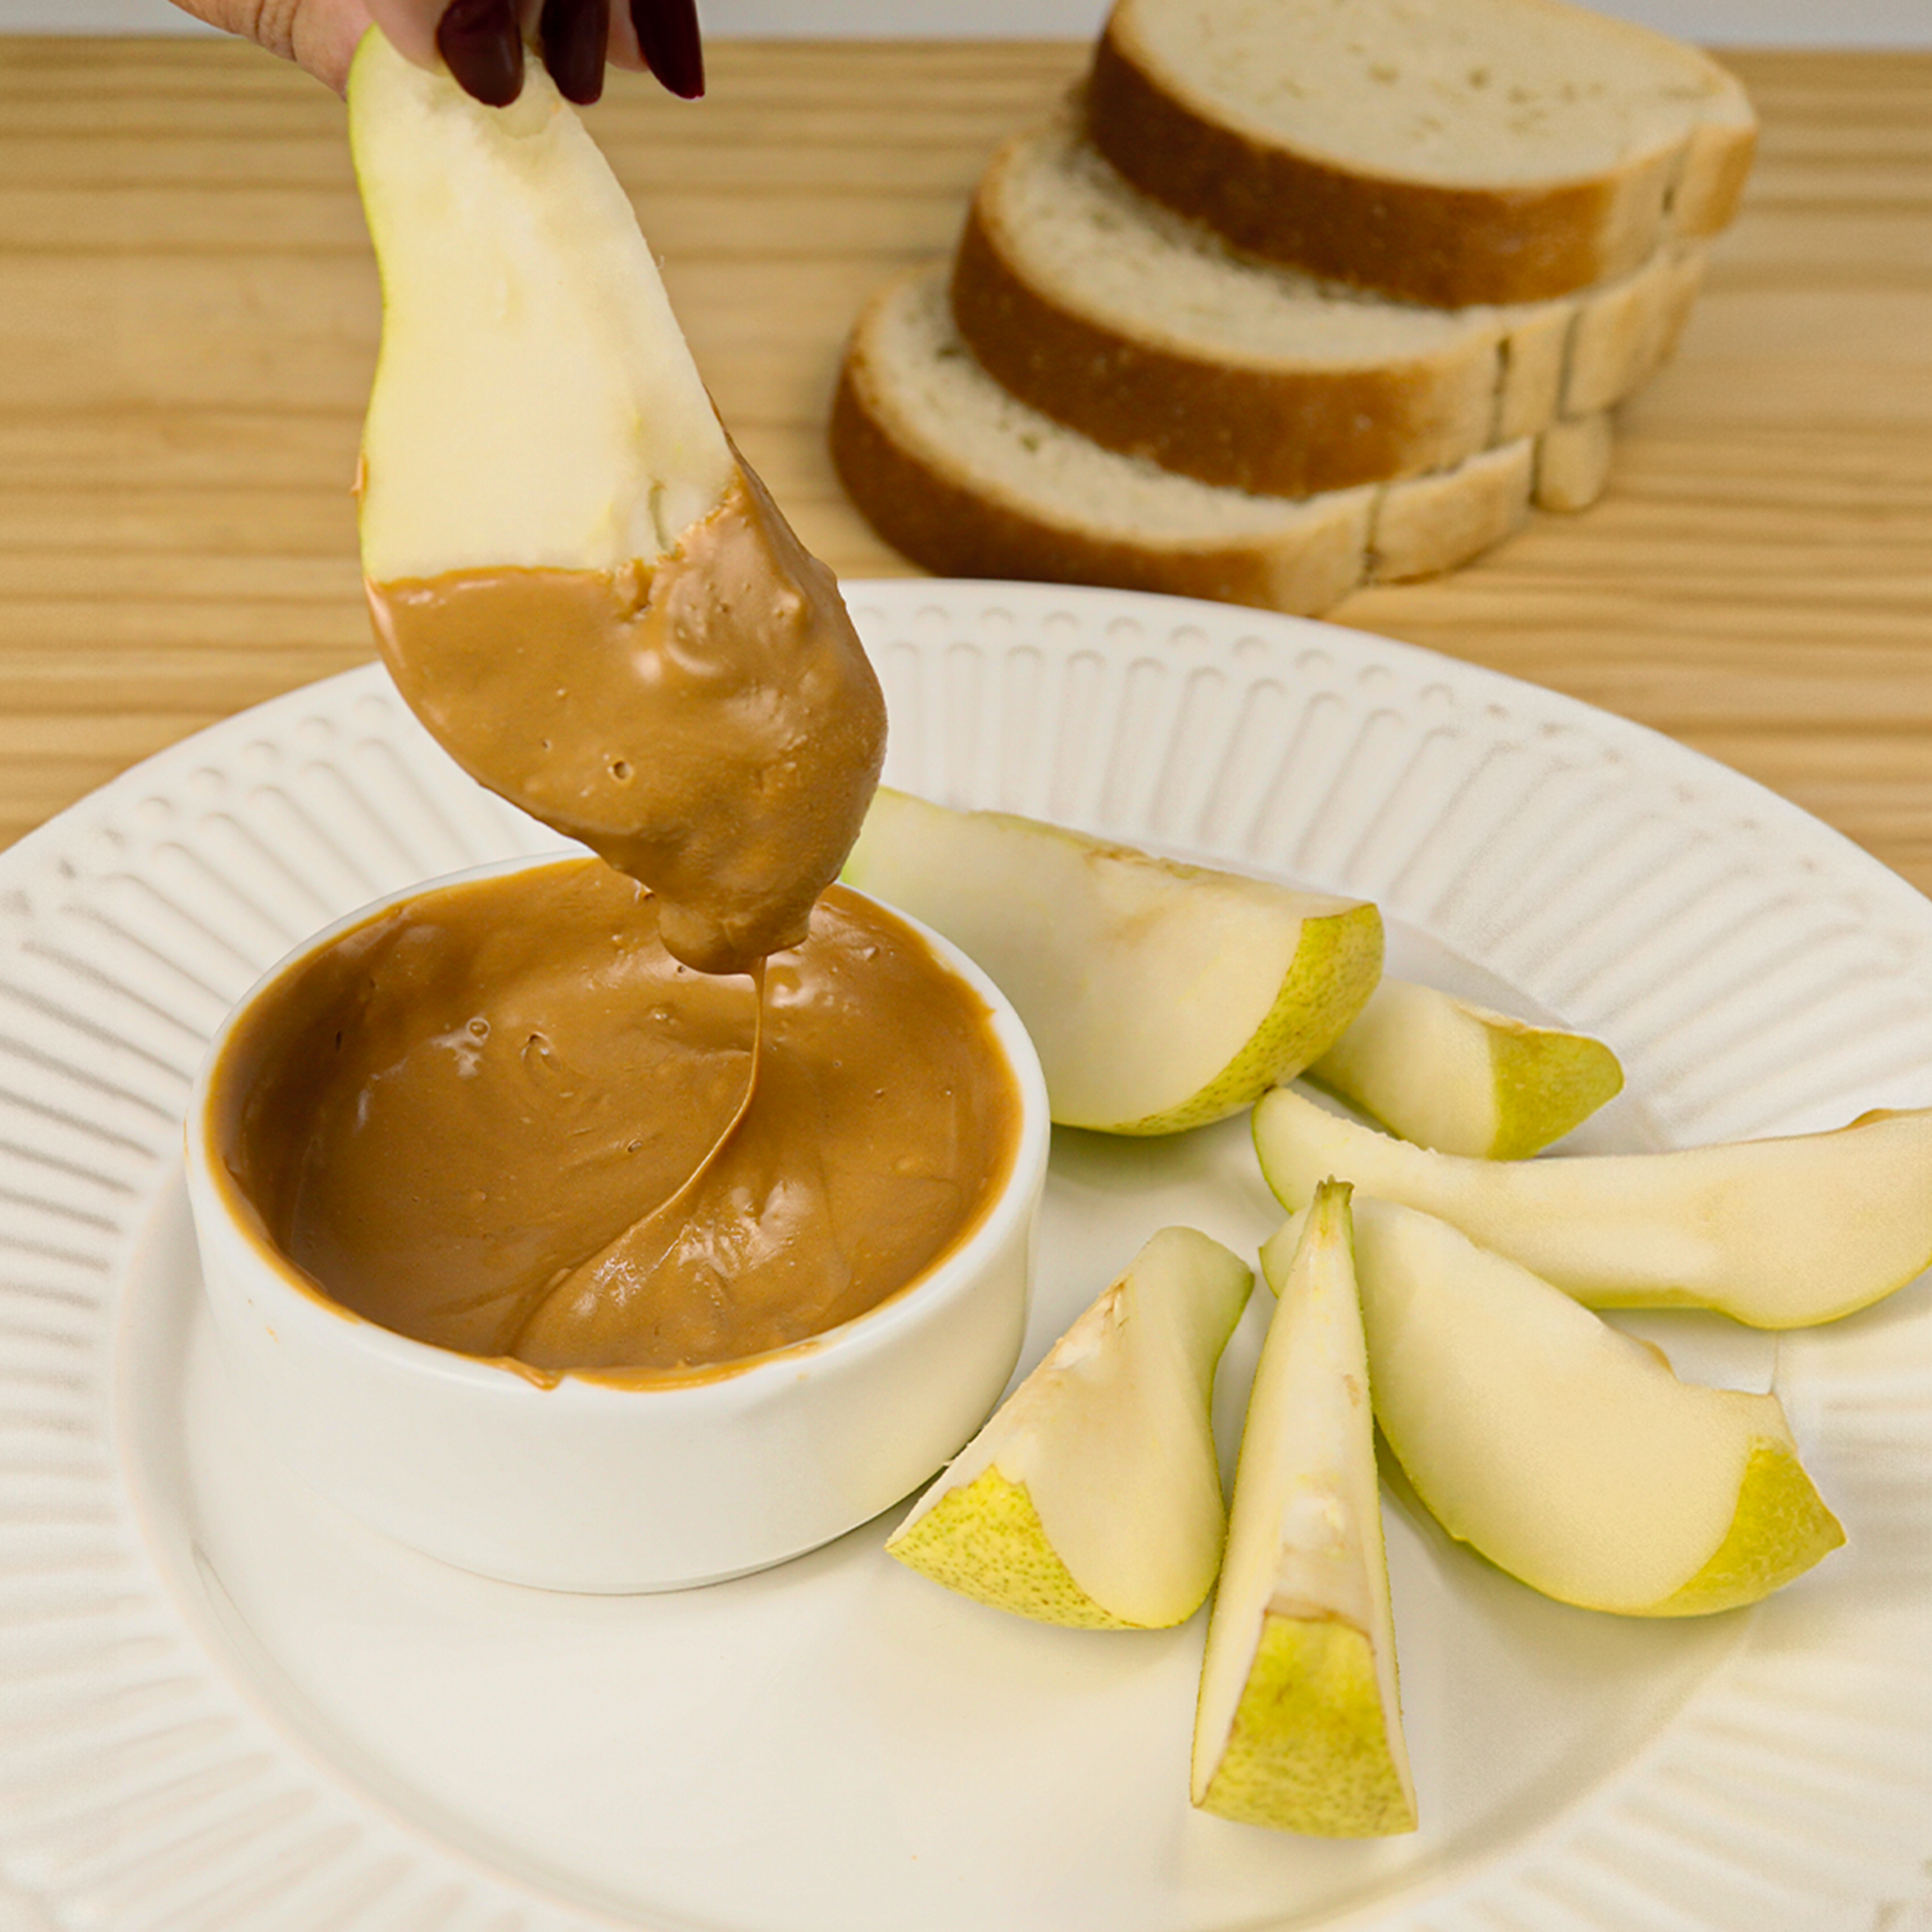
222, 1706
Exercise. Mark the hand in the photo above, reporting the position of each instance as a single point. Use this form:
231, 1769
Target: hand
481, 41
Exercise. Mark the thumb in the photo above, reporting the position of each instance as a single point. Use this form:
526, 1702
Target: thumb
318, 35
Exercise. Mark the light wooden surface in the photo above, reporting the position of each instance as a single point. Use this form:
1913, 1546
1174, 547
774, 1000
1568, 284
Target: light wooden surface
188, 316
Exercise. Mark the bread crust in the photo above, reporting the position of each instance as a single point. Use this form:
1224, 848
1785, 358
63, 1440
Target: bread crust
950, 528
1275, 430
1535, 354
1711, 182
955, 523
1621, 338
1429, 524
1573, 462
1449, 247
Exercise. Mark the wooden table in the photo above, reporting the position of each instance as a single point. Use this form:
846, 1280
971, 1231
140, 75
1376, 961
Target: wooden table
188, 316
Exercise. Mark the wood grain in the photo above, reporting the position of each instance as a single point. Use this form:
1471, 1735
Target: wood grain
187, 323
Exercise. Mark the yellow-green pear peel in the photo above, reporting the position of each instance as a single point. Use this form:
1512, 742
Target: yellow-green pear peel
985, 1542
1336, 964
1463, 1078
1160, 995
1298, 1724
1781, 1528
1092, 1497
1309, 1751
1546, 1083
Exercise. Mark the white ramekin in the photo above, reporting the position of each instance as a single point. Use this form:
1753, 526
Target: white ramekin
584, 1485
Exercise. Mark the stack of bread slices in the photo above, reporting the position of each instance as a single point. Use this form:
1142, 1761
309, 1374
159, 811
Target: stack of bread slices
1296, 295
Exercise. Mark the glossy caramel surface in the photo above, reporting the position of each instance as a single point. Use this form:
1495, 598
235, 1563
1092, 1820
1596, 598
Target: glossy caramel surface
501, 1119
709, 725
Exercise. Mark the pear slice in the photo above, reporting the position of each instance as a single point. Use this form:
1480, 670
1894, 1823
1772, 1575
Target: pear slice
1463, 1078
534, 405
1299, 1722
1778, 1234
1161, 996
1567, 1454
1093, 1496
590, 602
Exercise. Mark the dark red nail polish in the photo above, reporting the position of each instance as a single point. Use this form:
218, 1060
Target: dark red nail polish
480, 44
668, 33
575, 35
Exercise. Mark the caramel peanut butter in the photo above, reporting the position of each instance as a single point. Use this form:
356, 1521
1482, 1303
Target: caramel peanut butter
709, 724
464, 1119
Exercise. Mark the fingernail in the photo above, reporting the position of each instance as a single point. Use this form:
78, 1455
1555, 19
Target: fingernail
480, 46
667, 35
575, 35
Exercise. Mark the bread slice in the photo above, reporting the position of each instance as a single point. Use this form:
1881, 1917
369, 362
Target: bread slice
1147, 333
1624, 334
1573, 462
1484, 151
969, 482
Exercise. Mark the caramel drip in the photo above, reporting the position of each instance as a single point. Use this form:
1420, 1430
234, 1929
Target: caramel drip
709, 724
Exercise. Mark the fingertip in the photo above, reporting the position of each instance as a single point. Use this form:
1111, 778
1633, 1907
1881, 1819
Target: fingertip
574, 35
668, 37
481, 43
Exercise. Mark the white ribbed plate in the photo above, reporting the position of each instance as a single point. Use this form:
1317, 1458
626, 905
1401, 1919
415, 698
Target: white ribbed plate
223, 1705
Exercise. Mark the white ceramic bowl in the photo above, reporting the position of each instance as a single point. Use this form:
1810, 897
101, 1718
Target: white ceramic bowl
584, 1485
